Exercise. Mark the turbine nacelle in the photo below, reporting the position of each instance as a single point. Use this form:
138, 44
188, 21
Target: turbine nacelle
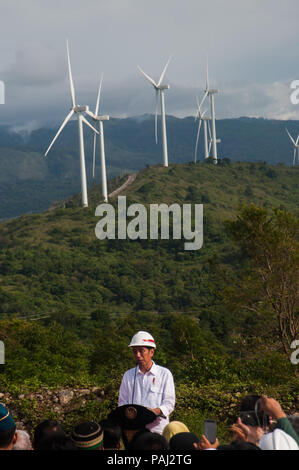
212, 91
80, 109
162, 87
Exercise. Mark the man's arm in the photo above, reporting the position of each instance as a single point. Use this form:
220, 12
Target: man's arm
273, 408
123, 394
168, 401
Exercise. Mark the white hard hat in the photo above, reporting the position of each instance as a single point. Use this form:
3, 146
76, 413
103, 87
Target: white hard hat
142, 338
278, 440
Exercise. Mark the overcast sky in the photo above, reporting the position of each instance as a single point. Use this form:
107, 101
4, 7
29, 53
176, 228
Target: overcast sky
253, 51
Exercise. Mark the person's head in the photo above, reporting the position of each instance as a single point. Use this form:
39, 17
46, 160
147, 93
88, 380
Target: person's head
278, 440
251, 414
150, 441
23, 441
143, 347
172, 428
88, 436
44, 429
112, 434
56, 441
294, 420
183, 441
8, 435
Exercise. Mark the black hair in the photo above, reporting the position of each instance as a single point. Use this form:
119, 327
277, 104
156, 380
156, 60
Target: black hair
112, 434
56, 441
150, 441
183, 441
46, 428
250, 413
6, 437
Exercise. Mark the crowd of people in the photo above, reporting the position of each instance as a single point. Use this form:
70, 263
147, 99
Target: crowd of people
261, 425
141, 420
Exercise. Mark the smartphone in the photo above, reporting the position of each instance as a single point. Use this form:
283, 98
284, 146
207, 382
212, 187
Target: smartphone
210, 430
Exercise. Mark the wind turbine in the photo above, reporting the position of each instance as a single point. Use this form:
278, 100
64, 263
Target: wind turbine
296, 147
202, 118
211, 92
160, 89
96, 118
78, 110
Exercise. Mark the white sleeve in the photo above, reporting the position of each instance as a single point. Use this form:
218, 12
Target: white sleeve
123, 394
168, 402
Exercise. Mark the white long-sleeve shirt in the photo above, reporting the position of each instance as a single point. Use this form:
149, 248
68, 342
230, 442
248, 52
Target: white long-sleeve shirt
154, 389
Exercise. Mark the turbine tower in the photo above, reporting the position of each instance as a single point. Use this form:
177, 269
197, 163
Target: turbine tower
202, 118
78, 110
296, 147
159, 88
211, 92
99, 119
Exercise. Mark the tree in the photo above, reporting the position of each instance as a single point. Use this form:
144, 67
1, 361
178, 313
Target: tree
269, 288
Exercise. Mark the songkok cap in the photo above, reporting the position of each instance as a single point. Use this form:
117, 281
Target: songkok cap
6, 420
142, 338
183, 441
88, 436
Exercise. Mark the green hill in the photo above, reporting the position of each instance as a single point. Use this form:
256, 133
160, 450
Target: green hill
91, 295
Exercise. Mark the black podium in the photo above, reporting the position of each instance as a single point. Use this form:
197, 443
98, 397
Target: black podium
132, 419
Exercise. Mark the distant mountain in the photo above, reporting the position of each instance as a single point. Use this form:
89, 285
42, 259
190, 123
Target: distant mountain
29, 182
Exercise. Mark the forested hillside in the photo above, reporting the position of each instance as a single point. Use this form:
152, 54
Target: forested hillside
70, 302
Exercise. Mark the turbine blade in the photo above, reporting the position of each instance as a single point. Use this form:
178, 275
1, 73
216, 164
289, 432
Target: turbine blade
94, 154
290, 137
60, 129
89, 113
89, 125
297, 140
147, 76
156, 116
70, 75
197, 138
204, 97
164, 70
294, 157
207, 73
98, 98
197, 115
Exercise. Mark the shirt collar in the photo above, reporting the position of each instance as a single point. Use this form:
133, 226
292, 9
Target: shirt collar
153, 370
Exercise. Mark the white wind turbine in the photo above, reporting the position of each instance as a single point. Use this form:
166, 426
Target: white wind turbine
296, 147
100, 120
202, 118
210, 92
76, 109
160, 89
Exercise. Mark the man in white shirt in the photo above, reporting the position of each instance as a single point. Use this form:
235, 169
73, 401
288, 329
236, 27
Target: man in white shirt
148, 384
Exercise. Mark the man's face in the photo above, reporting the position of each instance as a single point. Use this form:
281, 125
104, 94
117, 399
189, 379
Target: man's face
143, 356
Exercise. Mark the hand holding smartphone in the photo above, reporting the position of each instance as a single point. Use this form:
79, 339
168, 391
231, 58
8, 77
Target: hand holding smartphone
210, 430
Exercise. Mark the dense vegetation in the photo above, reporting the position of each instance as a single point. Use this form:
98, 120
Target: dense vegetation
91, 296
